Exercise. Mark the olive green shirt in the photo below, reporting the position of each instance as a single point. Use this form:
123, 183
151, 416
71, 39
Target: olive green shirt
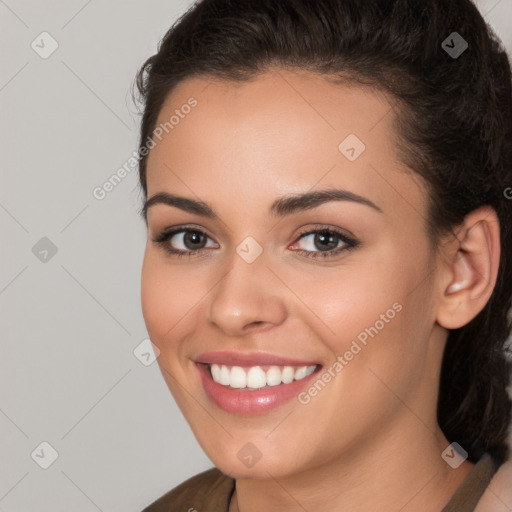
211, 491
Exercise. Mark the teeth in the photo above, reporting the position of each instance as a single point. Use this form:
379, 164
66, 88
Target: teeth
288, 374
238, 378
255, 377
224, 377
274, 376
216, 371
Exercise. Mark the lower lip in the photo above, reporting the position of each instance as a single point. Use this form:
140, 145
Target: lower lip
249, 401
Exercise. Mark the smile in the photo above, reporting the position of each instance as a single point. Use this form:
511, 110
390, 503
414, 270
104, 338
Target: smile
251, 384
257, 377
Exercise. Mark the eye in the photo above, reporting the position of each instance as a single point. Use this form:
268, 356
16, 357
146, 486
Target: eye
327, 240
189, 241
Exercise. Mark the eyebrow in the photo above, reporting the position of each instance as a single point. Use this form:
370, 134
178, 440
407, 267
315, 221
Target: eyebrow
283, 206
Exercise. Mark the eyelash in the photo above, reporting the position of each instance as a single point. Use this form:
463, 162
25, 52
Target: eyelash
166, 235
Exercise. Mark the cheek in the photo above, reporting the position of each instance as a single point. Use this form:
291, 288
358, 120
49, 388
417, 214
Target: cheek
171, 295
159, 299
382, 312
352, 299
152, 296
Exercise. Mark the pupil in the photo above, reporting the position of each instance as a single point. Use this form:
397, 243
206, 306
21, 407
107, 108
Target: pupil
193, 237
323, 236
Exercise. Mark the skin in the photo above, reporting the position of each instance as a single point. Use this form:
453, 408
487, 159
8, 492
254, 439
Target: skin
370, 439
498, 496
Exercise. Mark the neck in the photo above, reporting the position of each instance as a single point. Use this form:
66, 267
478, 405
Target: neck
403, 473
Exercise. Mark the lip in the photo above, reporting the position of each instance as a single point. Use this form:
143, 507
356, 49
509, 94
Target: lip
250, 401
249, 359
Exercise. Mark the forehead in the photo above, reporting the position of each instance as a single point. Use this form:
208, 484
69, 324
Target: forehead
280, 132
281, 99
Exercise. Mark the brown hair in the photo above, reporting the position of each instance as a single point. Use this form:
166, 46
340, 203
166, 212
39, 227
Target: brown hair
453, 123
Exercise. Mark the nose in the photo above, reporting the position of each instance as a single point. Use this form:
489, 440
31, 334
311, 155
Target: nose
247, 299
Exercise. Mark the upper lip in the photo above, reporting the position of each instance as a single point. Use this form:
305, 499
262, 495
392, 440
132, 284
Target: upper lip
249, 359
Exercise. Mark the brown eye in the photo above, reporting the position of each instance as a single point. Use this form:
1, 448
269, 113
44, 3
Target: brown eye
192, 239
182, 242
325, 242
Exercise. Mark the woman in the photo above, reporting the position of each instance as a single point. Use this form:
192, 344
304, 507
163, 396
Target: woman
328, 267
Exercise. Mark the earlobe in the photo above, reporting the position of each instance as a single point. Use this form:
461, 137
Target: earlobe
471, 272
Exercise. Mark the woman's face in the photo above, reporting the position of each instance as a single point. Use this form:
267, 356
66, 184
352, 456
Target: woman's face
356, 303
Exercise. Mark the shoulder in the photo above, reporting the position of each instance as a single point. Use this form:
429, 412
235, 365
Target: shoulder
210, 487
498, 495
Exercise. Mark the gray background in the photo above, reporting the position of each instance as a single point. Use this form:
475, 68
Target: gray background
70, 321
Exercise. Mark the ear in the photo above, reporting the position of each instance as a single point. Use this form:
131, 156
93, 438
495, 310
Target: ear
469, 268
